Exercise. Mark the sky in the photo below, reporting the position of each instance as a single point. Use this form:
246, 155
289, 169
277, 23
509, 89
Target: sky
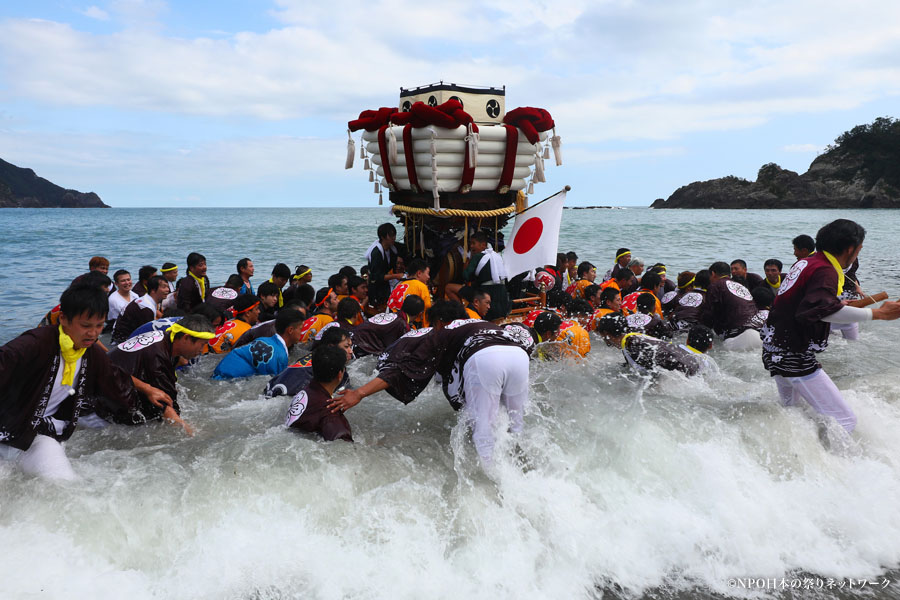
242, 103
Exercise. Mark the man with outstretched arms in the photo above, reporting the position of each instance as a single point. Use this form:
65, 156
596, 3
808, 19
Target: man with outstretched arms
480, 364
48, 376
799, 323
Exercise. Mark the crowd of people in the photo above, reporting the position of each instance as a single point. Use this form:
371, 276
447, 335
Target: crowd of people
60, 375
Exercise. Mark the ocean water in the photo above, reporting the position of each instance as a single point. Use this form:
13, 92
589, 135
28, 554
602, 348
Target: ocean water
689, 488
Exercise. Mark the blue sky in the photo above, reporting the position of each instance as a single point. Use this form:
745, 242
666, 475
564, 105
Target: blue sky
236, 103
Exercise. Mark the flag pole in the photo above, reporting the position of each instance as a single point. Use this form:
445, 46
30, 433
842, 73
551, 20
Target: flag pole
568, 188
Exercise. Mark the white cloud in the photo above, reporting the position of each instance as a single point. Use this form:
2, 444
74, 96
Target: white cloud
95, 12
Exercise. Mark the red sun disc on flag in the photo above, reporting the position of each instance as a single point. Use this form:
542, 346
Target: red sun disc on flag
528, 235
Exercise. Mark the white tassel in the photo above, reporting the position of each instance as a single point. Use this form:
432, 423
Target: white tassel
371, 175
367, 166
377, 189
530, 187
362, 148
472, 138
546, 152
433, 145
556, 142
380, 201
392, 146
434, 183
351, 150
539, 169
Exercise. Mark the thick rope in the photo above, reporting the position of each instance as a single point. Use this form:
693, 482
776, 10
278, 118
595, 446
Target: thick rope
454, 212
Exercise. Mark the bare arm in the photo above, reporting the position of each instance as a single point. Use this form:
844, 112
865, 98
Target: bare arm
350, 398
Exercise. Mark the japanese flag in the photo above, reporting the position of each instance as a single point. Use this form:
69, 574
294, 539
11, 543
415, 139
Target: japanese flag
535, 236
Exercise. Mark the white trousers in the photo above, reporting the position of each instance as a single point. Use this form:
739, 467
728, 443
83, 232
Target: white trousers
821, 394
45, 458
747, 340
850, 331
494, 376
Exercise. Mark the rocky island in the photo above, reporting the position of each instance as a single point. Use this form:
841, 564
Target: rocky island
22, 188
860, 170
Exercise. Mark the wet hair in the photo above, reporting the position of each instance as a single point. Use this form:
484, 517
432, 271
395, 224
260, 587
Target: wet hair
154, 282
118, 274
195, 322
805, 242
479, 236
684, 277
579, 307
243, 302
412, 305
348, 308
591, 291
321, 294
584, 268
347, 271
331, 336
287, 318
386, 229
327, 363
336, 280
168, 265
194, 259
282, 271
608, 294
571, 256
739, 261
300, 271
702, 279
613, 325
98, 261
146, 272
415, 265
625, 274
621, 251
721, 268
234, 282
209, 311
645, 303
700, 337
839, 235
446, 311
306, 293
651, 280
267, 288
558, 299
775, 262
547, 322
242, 264
763, 296
95, 279
83, 299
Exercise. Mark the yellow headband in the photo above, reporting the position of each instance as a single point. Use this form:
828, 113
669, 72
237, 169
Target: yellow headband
681, 287
175, 268
623, 254
303, 274
176, 328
